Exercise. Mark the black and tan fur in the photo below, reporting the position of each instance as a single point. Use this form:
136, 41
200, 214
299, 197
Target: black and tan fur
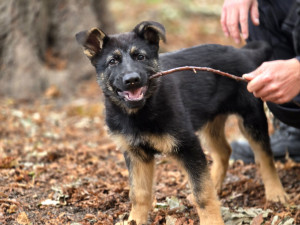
147, 117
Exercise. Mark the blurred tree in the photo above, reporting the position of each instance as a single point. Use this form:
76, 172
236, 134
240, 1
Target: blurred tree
38, 47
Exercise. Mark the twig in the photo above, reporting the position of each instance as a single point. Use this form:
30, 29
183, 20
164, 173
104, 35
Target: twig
194, 69
10, 201
208, 69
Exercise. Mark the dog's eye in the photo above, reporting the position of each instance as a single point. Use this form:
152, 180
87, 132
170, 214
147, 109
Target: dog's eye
140, 57
112, 62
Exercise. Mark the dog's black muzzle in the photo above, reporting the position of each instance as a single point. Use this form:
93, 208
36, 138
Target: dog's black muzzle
131, 80
133, 89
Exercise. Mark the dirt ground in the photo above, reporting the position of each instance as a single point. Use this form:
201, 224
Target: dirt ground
58, 165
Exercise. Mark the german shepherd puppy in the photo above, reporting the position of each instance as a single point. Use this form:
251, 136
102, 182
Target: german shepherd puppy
152, 116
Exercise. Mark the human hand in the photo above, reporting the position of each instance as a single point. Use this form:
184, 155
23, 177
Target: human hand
275, 81
235, 12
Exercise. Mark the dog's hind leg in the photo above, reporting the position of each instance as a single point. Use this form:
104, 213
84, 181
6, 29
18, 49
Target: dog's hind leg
192, 159
141, 182
255, 128
213, 135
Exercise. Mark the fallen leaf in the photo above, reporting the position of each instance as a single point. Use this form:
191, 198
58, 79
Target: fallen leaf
258, 220
50, 202
52, 92
289, 221
89, 216
23, 219
12, 209
8, 162
173, 202
170, 220
275, 220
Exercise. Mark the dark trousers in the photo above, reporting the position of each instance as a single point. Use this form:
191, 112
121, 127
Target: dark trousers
272, 29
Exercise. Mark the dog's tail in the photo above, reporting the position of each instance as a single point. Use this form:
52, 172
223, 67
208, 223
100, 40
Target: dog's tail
259, 51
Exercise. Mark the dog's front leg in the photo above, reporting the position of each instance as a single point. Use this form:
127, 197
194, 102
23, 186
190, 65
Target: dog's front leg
205, 198
141, 181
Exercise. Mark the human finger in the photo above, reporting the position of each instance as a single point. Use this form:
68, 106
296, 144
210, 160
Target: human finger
268, 92
232, 21
243, 18
276, 98
254, 13
260, 79
248, 76
255, 85
223, 21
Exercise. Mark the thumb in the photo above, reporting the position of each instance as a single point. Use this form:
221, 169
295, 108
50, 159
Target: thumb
254, 13
249, 76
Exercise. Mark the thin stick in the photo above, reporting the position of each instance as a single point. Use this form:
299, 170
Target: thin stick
194, 69
10, 201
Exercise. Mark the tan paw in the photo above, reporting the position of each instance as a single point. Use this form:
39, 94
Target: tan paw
132, 222
277, 196
126, 222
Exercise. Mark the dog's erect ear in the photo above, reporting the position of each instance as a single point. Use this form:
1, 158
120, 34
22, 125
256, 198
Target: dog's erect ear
92, 41
151, 31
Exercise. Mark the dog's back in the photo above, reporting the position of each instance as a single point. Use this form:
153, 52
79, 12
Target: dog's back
204, 94
219, 56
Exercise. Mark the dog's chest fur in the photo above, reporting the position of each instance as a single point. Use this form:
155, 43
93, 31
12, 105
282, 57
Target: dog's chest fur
160, 143
151, 130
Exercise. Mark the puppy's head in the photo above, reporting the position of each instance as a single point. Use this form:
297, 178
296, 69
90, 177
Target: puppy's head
124, 62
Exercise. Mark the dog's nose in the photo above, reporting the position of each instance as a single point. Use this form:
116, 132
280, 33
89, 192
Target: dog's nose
131, 79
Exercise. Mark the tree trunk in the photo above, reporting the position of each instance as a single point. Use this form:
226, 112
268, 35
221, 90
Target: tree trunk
38, 47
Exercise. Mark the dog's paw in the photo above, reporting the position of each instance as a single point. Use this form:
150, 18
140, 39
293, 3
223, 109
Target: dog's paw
130, 222
126, 222
277, 196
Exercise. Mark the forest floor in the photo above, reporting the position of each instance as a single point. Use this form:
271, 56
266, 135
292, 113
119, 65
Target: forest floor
58, 166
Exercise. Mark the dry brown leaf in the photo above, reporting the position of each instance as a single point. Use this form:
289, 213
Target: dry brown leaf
258, 220
89, 216
12, 209
52, 92
8, 162
23, 219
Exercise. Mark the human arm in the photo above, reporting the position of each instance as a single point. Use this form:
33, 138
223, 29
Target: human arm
275, 81
235, 13
296, 31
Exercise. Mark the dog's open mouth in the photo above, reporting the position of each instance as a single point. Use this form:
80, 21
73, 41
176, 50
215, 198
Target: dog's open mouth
136, 94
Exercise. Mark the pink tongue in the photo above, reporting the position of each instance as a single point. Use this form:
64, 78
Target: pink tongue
134, 94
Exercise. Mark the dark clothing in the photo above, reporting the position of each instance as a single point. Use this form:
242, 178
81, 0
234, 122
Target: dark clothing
280, 27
